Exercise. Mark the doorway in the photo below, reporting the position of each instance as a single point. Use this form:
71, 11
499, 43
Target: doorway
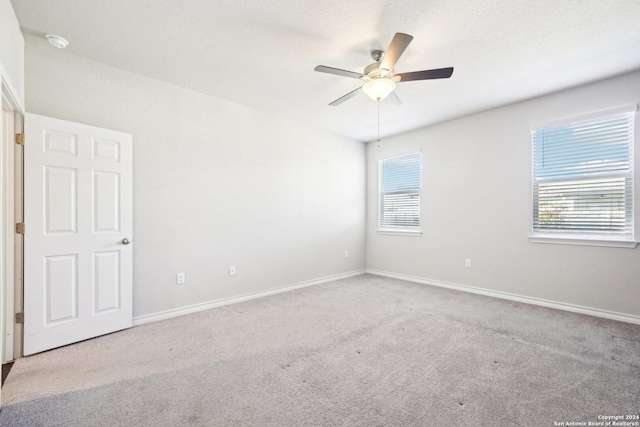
11, 271
11, 245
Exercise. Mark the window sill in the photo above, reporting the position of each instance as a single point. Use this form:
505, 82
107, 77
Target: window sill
584, 241
399, 232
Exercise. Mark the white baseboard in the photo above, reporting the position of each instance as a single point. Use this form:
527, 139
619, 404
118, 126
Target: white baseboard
629, 318
162, 315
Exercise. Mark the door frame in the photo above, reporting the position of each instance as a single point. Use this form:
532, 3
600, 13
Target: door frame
11, 199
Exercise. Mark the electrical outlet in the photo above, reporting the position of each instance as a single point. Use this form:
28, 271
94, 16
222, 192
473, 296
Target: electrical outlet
232, 270
467, 263
181, 278
346, 254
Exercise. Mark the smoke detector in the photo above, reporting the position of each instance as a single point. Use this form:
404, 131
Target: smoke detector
57, 41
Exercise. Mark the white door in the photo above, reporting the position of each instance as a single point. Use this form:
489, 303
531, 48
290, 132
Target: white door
78, 223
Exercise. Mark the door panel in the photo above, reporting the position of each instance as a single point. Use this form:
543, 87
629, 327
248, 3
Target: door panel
106, 150
60, 197
106, 281
78, 210
61, 284
106, 200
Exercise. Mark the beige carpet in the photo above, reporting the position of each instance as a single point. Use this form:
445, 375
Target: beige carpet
366, 351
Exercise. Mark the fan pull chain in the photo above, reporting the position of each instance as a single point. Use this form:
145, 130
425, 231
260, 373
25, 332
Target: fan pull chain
378, 122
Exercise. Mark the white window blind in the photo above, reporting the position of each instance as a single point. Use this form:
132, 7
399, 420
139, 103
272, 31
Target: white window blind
399, 192
583, 177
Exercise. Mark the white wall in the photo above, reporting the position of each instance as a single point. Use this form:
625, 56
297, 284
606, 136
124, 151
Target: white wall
12, 94
215, 183
476, 203
11, 52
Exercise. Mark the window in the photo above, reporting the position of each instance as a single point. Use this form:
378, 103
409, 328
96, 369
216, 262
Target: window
583, 178
399, 194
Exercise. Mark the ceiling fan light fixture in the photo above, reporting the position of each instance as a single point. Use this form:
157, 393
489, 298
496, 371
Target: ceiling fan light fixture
57, 41
379, 78
379, 88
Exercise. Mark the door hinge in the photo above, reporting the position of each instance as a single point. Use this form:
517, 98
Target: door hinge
20, 138
20, 318
20, 228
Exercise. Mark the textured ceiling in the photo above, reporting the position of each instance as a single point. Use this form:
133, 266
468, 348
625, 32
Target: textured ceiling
262, 53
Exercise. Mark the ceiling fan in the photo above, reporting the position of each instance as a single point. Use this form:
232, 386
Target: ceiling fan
378, 77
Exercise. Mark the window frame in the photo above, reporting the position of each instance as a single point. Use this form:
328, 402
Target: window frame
588, 239
399, 230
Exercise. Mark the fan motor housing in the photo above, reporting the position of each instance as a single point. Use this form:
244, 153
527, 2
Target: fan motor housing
371, 68
374, 70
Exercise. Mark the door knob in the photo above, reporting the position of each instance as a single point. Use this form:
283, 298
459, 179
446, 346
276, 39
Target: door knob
125, 241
